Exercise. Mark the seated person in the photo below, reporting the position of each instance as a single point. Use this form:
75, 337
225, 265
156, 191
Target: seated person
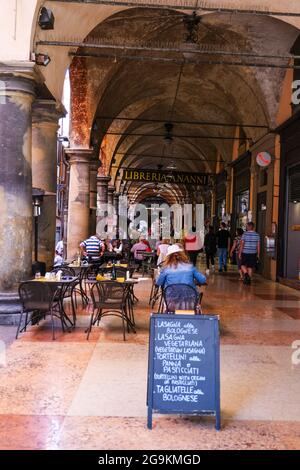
162, 251
117, 247
177, 269
108, 247
138, 247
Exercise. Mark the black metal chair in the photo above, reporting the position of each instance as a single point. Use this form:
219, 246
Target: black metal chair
110, 298
181, 297
39, 300
155, 294
71, 290
66, 271
89, 277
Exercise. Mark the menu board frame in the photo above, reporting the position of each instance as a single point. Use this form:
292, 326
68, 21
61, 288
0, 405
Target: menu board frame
153, 365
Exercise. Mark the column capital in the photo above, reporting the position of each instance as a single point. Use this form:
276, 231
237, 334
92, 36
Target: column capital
103, 180
47, 111
19, 77
79, 155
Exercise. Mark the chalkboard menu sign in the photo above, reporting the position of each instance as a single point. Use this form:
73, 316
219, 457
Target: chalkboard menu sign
184, 365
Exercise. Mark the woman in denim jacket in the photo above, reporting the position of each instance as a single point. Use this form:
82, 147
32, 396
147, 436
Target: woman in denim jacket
177, 269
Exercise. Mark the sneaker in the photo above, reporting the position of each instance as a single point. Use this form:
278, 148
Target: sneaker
220, 270
207, 272
225, 269
247, 279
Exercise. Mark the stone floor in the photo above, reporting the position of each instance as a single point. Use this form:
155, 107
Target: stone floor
78, 394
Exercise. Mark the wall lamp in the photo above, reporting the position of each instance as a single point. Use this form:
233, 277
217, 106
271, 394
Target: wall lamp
41, 59
46, 19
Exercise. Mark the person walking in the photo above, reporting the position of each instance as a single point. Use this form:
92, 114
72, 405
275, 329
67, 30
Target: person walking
223, 242
249, 252
236, 249
210, 247
193, 245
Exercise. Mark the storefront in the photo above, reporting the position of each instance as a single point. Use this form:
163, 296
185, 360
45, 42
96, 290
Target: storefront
289, 221
241, 192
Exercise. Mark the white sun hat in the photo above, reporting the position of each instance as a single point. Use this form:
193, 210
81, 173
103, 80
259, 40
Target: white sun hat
174, 249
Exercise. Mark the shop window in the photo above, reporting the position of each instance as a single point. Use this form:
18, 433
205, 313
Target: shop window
221, 212
294, 186
242, 208
293, 224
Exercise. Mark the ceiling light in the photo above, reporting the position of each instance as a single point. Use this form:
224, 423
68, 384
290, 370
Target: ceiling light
168, 136
172, 166
191, 23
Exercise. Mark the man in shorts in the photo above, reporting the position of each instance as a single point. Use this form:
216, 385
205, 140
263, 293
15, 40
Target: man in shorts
249, 252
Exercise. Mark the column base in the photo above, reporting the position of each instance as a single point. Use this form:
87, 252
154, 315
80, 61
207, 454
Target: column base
10, 308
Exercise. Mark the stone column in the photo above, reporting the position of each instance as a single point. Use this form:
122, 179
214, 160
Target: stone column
44, 172
116, 203
102, 200
93, 196
116, 208
17, 92
79, 198
110, 195
111, 218
229, 181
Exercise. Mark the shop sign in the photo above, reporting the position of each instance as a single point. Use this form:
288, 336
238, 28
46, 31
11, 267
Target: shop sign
263, 159
153, 176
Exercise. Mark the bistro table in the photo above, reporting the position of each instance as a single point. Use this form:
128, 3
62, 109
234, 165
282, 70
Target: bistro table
116, 265
61, 288
129, 284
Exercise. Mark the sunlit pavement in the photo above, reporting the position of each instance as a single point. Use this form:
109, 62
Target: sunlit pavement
77, 394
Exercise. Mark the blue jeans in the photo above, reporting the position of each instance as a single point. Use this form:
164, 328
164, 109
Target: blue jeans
222, 253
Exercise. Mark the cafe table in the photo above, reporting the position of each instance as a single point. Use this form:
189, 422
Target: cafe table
61, 288
116, 265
